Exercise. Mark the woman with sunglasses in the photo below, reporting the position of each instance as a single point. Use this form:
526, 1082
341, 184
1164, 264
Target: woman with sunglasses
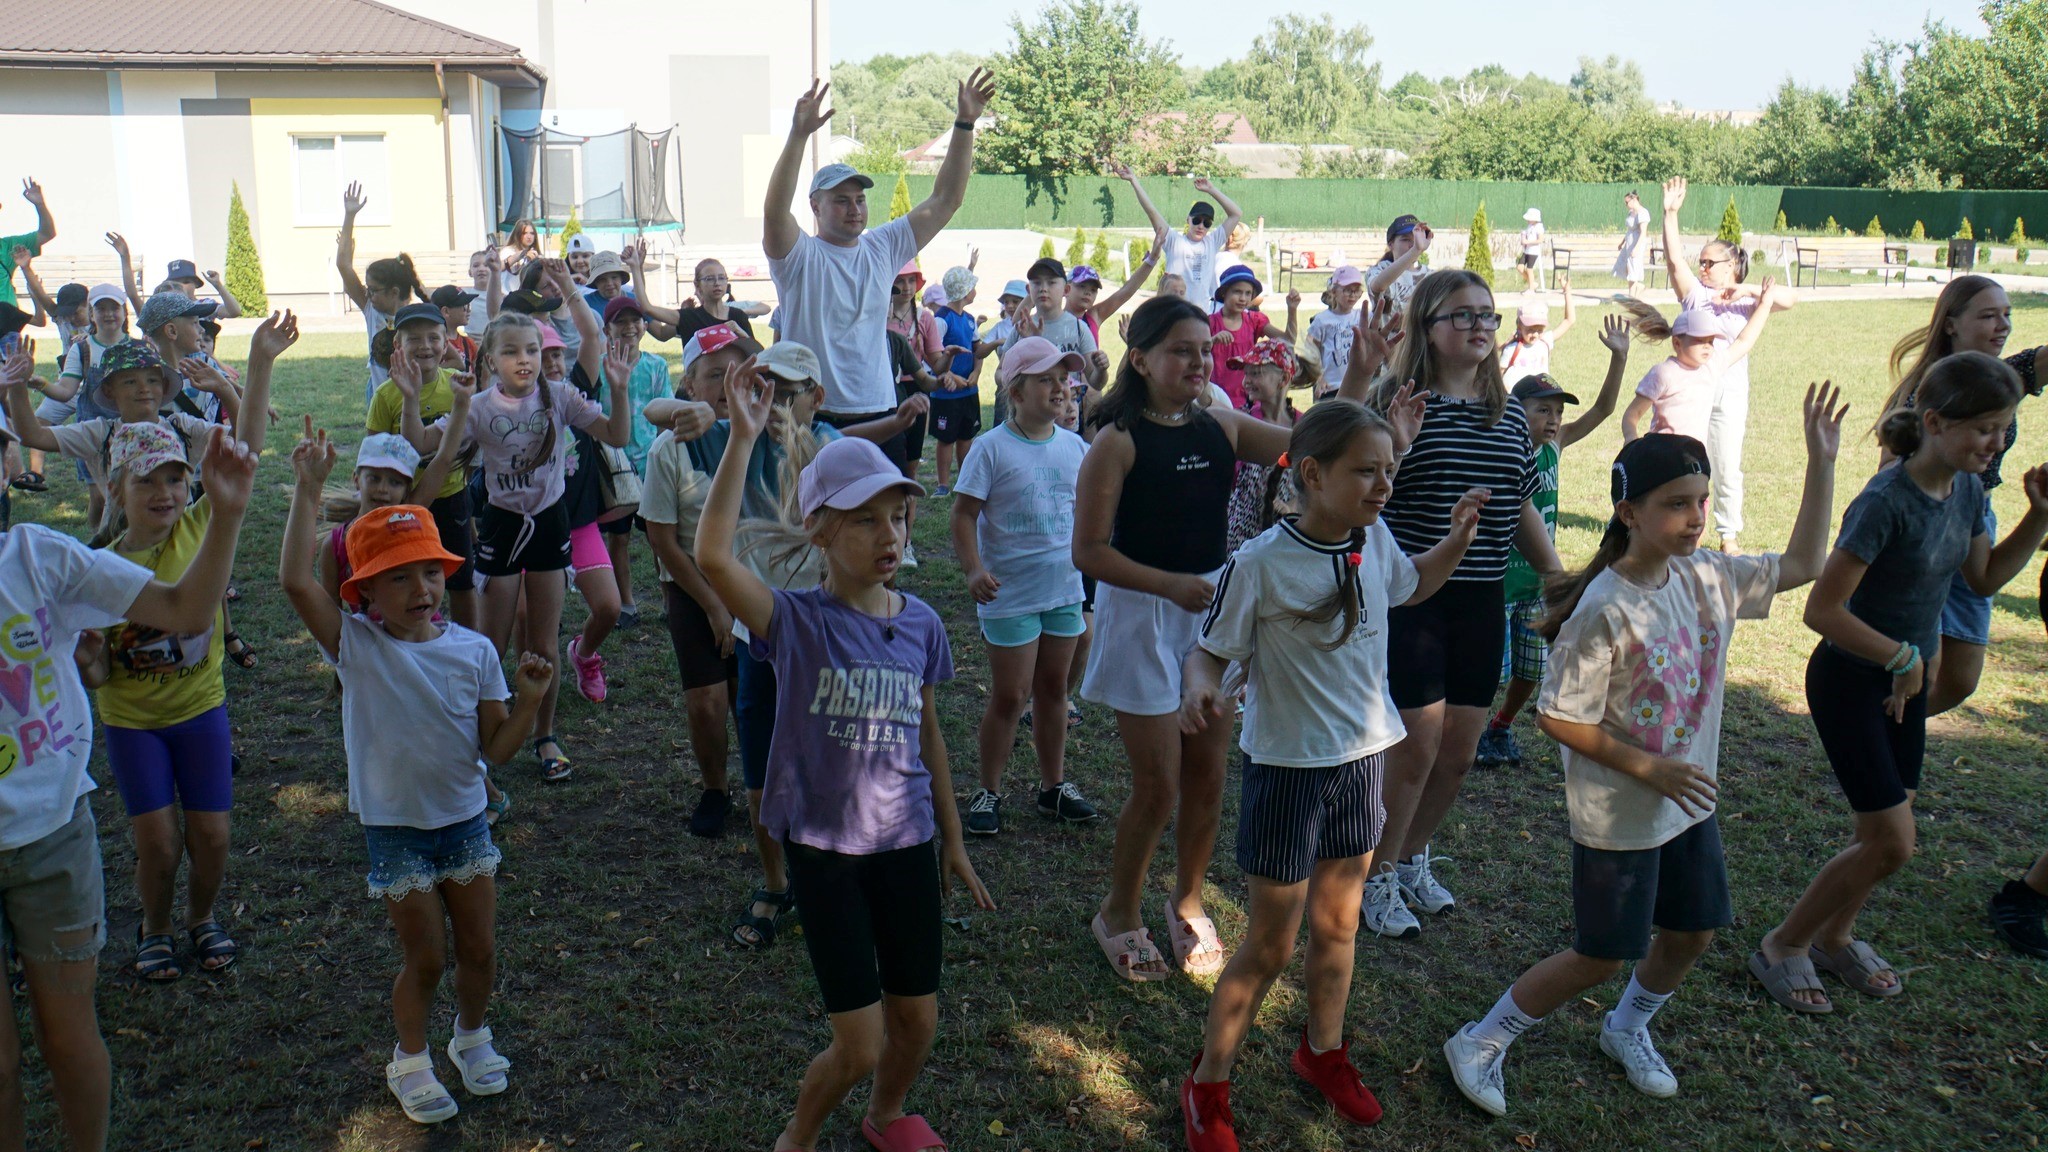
1719, 288
1444, 654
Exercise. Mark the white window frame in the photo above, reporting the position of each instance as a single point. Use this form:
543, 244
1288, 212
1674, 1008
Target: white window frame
376, 213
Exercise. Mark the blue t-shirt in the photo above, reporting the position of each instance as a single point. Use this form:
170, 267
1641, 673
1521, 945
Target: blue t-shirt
960, 332
1914, 545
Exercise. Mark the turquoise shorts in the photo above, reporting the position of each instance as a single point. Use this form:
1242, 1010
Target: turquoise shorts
1016, 631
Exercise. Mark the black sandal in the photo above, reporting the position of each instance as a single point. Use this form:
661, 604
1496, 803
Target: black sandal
31, 482
553, 769
156, 957
212, 942
764, 927
238, 650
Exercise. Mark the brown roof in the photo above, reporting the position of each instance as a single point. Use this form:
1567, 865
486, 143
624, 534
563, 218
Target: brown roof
243, 34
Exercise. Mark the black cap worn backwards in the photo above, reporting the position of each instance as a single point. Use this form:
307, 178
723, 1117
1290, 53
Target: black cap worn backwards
1650, 462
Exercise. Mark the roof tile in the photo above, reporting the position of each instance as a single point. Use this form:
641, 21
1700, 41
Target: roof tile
204, 31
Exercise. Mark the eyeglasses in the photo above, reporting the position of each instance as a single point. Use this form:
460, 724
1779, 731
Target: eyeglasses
1707, 262
1465, 320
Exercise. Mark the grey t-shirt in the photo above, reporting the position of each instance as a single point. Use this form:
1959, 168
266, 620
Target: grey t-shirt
1914, 545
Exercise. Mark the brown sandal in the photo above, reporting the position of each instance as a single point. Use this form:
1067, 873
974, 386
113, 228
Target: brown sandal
1792, 974
1857, 965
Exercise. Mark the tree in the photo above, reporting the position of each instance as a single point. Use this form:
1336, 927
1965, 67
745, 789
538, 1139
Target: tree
1479, 250
899, 198
570, 230
893, 103
1098, 256
1830, 228
2019, 230
1305, 78
1780, 226
243, 273
1919, 231
1962, 233
1138, 250
1612, 86
1045, 249
1874, 229
1077, 252
1730, 231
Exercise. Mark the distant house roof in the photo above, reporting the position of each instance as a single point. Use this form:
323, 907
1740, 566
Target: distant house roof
248, 34
1235, 128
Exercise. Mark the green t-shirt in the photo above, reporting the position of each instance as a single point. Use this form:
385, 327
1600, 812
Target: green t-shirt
1522, 583
8, 244
387, 414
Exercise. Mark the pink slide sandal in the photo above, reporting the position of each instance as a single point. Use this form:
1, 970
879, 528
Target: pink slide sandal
1128, 950
1197, 949
904, 1134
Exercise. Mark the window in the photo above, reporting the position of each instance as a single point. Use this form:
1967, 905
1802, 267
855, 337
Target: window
326, 165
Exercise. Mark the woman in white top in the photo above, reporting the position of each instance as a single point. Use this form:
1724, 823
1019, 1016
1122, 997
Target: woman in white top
1532, 249
1630, 254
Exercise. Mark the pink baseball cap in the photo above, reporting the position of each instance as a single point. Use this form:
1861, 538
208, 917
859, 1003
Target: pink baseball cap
549, 338
1695, 322
847, 473
1348, 274
1036, 354
706, 340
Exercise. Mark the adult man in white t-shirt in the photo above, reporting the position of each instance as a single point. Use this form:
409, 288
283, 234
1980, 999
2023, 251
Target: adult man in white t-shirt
834, 286
1196, 255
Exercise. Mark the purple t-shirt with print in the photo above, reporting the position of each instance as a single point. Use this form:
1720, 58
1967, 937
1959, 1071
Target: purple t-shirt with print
845, 774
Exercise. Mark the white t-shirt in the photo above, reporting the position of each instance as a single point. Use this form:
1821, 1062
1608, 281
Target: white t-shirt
1648, 665
1518, 359
1331, 330
1532, 240
1199, 263
374, 321
1026, 527
408, 722
1681, 398
479, 317
91, 441
509, 433
1305, 707
51, 589
835, 301
1403, 286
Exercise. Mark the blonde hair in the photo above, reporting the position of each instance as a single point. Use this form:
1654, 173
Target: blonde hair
783, 542
1934, 343
1415, 360
500, 324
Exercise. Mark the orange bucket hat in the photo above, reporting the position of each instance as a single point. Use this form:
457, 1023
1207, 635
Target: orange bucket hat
389, 537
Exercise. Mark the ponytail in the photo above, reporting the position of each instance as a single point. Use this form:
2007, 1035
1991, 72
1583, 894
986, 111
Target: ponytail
1561, 594
1324, 435
1651, 326
1963, 386
1739, 256
397, 272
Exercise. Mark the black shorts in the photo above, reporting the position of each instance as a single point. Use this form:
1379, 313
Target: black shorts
1447, 647
1088, 593
895, 447
1679, 886
1876, 759
1289, 818
871, 922
451, 519
508, 543
623, 526
689, 631
956, 419
1528, 260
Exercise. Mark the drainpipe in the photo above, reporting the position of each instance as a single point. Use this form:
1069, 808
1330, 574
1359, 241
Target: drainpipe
447, 149
814, 76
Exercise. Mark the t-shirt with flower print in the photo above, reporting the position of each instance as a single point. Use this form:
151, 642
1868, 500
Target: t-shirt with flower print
1649, 665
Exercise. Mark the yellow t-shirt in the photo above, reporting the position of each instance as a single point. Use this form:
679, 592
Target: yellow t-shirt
387, 414
160, 679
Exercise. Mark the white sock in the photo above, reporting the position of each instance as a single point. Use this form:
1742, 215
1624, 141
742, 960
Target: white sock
481, 1052
1504, 1023
1637, 1005
411, 1080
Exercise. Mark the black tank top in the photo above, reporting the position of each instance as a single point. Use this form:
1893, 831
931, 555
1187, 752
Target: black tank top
1175, 508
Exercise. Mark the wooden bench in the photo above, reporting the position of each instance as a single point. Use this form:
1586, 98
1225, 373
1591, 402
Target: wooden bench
1848, 254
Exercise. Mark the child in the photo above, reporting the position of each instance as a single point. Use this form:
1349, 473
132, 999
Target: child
1268, 371
1528, 354
863, 786
1400, 269
600, 498
454, 304
385, 286
1301, 609
1048, 317
1149, 524
914, 386
956, 403
421, 701
416, 376
625, 324
53, 888
1330, 329
387, 473
1678, 395
1634, 697
78, 377
1173, 284
1013, 528
1445, 653
1542, 400
1877, 608
516, 424
1236, 326
1532, 250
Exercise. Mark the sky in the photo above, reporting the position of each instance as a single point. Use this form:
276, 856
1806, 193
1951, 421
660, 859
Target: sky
1727, 55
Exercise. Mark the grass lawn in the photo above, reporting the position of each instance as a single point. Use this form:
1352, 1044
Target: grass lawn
634, 1025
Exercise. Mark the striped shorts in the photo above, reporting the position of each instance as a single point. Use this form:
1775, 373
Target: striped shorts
1289, 818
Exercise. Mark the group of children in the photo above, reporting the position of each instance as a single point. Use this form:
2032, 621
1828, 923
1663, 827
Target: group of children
1362, 575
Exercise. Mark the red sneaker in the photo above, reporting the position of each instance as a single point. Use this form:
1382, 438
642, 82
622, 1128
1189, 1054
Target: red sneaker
1332, 1074
1206, 1108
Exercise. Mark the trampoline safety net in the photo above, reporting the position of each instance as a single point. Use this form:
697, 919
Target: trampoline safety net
630, 179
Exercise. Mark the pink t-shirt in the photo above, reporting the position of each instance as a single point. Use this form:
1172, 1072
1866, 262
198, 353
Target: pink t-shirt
926, 335
1681, 398
1231, 380
509, 431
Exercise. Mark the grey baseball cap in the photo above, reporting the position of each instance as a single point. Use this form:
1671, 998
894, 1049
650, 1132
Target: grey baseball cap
833, 175
165, 307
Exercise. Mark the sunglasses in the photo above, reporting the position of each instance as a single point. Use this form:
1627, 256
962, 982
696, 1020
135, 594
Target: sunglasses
1465, 320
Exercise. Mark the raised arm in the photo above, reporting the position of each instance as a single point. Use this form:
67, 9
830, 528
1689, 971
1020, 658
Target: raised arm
15, 373
617, 430
635, 259
1159, 225
1758, 317
1683, 282
312, 461
46, 225
748, 399
1113, 303
1232, 214
426, 487
1382, 281
229, 473
950, 188
779, 229
230, 308
1807, 551
272, 337
1613, 334
45, 306
1990, 566
494, 287
129, 284
352, 202
590, 352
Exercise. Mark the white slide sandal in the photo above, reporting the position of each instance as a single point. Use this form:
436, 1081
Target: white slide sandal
475, 1074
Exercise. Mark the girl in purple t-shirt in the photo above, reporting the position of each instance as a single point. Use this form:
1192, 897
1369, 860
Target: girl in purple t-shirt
859, 787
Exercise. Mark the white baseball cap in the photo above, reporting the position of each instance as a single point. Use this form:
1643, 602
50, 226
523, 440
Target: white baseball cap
106, 292
581, 242
833, 175
385, 450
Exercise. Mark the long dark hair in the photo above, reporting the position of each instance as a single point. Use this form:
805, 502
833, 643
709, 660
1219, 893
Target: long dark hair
396, 272
1962, 386
499, 325
1323, 435
1123, 402
1935, 342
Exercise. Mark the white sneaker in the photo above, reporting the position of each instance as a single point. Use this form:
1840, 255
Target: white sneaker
1647, 1071
1475, 1067
1419, 885
909, 561
1383, 911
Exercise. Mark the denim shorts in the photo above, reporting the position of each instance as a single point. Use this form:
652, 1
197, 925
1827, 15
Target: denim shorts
53, 896
1965, 615
407, 860
1062, 623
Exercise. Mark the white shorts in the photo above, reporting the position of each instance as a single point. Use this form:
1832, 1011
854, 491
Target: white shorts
1141, 640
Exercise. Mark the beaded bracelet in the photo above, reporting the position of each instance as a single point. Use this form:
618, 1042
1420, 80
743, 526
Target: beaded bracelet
1904, 660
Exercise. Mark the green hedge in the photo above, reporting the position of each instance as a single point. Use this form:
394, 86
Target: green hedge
1022, 202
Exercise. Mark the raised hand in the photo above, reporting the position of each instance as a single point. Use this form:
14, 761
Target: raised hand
313, 457
1121, 170
633, 256
204, 376
1564, 280
229, 472
620, 358
213, 278
1674, 194
353, 201
811, 113
1203, 186
32, 191
1025, 318
1099, 359
975, 93
1293, 299
21, 257
1465, 513
1423, 235
462, 386
276, 334
119, 243
19, 366
531, 679
1406, 412
2036, 485
1824, 412
748, 399
1614, 332
407, 375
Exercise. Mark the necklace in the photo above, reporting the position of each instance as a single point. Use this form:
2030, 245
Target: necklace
1172, 417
